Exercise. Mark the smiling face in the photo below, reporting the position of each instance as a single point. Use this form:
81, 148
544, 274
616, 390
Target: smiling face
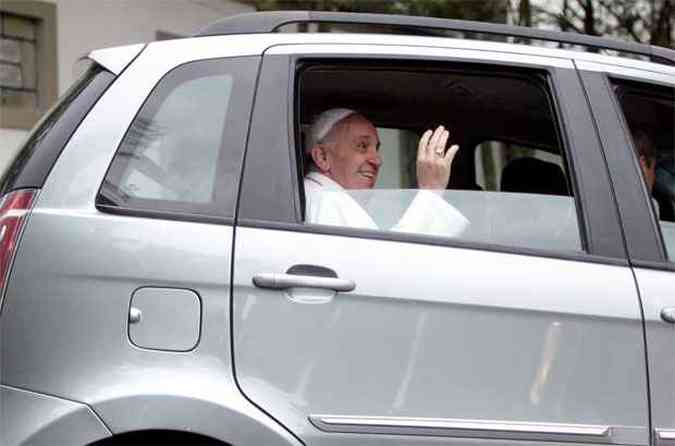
350, 154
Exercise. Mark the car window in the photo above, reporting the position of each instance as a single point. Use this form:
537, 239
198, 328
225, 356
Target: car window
398, 172
183, 149
492, 157
650, 114
508, 186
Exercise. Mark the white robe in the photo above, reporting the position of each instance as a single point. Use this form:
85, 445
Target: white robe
327, 203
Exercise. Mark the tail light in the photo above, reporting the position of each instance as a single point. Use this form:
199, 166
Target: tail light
14, 208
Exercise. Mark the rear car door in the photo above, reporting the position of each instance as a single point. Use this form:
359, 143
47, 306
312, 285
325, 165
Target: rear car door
632, 105
442, 339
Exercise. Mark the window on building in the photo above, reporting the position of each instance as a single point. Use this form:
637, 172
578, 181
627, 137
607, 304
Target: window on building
28, 71
18, 60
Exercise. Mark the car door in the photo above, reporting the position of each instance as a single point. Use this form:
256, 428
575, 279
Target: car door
649, 228
440, 340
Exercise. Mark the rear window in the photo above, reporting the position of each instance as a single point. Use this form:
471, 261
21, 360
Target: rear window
182, 153
43, 146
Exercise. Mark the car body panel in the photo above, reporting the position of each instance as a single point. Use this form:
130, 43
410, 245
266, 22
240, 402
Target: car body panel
73, 282
656, 290
419, 51
118, 58
654, 275
52, 421
545, 347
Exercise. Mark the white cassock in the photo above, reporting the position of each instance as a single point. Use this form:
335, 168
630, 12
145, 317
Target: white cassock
327, 203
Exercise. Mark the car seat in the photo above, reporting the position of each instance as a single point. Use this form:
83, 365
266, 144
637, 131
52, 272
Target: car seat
533, 176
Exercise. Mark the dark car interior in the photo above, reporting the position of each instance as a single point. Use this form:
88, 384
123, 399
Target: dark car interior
477, 104
652, 111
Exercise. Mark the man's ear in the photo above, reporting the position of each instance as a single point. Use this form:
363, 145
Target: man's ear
318, 154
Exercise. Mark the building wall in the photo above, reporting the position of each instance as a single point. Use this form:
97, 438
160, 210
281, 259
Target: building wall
84, 25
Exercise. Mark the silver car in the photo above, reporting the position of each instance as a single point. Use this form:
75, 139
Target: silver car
160, 284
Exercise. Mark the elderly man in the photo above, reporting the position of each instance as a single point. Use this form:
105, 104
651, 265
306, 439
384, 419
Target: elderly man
343, 147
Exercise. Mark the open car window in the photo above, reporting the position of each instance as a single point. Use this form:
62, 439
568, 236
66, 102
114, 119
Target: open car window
509, 185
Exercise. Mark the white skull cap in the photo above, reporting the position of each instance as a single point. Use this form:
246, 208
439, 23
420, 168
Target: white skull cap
324, 123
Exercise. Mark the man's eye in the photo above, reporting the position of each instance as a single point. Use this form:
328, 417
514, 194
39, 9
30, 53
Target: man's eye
362, 146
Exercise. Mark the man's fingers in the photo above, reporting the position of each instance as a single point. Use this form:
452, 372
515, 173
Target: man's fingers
433, 143
440, 147
450, 154
422, 147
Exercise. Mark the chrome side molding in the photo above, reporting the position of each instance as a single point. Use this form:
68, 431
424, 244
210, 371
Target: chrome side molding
445, 427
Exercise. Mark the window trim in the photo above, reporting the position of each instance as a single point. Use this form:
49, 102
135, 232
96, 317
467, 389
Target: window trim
270, 99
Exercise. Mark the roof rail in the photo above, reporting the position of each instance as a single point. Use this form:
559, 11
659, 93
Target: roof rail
267, 22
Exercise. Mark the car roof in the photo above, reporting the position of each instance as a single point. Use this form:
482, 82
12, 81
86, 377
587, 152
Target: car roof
272, 21
115, 59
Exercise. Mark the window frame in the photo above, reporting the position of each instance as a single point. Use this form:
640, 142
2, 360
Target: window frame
606, 247
221, 209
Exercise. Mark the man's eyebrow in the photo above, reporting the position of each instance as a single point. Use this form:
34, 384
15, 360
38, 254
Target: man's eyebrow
364, 136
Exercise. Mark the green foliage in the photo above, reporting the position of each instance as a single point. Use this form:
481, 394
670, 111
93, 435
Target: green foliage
646, 21
486, 10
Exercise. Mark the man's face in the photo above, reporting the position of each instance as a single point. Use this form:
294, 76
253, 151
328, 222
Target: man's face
353, 158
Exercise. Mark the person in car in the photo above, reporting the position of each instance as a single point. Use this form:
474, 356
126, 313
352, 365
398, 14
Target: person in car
343, 150
659, 191
646, 152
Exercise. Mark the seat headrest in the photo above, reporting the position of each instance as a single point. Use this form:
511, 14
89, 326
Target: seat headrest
533, 176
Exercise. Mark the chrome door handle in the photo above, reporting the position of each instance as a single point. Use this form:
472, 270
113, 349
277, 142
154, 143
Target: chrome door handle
668, 315
285, 281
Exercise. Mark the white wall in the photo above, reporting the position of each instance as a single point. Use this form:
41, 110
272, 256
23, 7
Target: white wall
9, 142
84, 25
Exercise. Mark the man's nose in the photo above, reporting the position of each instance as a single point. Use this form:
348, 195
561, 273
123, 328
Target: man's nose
376, 159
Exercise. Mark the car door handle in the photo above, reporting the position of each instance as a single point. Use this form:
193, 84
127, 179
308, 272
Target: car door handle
285, 281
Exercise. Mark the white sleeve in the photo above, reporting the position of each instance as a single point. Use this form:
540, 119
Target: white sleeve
431, 215
336, 208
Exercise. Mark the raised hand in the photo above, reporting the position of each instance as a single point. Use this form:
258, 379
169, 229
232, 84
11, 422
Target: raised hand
433, 160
